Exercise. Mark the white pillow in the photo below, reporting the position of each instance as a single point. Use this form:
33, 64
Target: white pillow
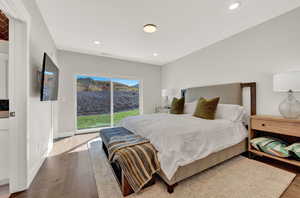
189, 108
235, 113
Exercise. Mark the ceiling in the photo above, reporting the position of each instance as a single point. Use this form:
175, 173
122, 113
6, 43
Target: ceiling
183, 26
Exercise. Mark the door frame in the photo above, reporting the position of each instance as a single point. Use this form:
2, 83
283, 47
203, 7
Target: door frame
19, 30
83, 131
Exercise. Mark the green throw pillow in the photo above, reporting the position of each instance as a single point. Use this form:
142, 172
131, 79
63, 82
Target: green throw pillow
177, 106
294, 149
272, 146
206, 109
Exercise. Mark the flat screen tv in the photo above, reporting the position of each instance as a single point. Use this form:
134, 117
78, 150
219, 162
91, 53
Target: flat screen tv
49, 80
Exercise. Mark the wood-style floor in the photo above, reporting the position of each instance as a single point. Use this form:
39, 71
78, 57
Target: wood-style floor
67, 173
4, 191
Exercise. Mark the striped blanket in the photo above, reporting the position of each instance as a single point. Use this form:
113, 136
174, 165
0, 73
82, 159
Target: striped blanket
137, 158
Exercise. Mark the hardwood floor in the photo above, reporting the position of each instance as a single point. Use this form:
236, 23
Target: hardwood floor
4, 191
67, 173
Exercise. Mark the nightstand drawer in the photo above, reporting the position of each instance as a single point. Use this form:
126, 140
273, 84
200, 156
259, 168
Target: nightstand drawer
285, 128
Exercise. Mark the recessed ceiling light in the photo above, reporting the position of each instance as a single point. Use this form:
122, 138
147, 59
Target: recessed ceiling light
97, 42
150, 28
155, 54
234, 6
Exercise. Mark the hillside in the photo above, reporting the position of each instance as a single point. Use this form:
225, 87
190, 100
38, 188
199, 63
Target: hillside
93, 97
88, 84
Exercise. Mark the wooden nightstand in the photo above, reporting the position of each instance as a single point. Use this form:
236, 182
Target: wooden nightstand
285, 129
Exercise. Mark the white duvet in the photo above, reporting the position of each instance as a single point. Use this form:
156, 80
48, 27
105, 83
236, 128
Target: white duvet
182, 139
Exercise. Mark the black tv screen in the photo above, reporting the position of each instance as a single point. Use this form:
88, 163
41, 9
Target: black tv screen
49, 80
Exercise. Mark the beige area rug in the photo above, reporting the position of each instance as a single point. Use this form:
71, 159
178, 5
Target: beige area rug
239, 177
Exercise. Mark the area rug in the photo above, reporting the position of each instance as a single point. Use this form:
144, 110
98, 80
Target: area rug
239, 177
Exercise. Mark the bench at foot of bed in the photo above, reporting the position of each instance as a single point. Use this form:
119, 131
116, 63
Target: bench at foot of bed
117, 170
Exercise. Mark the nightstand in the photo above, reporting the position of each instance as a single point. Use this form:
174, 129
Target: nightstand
279, 127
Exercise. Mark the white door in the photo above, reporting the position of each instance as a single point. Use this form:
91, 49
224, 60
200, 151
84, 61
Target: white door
4, 121
18, 92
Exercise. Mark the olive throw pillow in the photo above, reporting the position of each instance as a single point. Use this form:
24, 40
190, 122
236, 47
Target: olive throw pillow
206, 109
177, 106
294, 149
270, 145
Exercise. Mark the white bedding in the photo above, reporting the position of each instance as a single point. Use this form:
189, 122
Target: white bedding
182, 139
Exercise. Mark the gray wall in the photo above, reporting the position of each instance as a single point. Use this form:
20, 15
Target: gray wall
41, 119
72, 64
253, 55
4, 46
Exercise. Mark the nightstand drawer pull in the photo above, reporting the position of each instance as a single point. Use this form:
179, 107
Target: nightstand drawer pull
263, 124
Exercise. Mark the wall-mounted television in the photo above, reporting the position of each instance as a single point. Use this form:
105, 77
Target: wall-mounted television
49, 80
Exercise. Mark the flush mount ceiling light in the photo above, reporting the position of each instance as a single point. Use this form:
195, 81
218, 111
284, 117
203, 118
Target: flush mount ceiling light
97, 42
150, 28
234, 6
155, 54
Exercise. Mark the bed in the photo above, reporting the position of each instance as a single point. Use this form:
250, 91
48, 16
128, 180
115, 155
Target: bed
184, 146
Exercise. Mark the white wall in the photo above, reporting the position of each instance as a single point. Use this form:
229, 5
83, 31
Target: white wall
253, 55
41, 116
72, 63
3, 46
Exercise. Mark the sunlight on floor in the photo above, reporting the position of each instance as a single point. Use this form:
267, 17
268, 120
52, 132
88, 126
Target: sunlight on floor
75, 143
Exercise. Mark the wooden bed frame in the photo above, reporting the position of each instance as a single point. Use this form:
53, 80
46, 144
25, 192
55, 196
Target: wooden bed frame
198, 166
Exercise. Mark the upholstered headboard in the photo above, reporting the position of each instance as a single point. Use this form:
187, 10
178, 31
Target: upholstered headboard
228, 93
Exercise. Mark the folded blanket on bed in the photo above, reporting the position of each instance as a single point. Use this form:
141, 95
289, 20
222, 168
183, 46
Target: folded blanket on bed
137, 158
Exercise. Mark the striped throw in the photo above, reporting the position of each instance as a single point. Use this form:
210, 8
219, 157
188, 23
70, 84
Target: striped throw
136, 156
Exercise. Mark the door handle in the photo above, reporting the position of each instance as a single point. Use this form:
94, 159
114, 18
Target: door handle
12, 114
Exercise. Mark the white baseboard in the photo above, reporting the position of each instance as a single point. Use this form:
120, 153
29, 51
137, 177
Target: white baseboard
35, 169
4, 181
64, 134
71, 133
83, 131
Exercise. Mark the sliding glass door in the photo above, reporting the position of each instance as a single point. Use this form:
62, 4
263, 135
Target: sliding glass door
93, 102
103, 102
125, 99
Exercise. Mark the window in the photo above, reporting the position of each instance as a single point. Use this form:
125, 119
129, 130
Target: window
103, 102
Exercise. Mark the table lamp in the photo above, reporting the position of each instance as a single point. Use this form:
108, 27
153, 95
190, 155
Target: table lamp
288, 82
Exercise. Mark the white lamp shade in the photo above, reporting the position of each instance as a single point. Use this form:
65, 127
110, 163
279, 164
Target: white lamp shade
284, 82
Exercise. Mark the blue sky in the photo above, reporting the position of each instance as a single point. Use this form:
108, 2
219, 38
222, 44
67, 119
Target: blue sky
123, 81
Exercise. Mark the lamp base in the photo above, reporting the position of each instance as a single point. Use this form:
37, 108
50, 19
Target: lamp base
290, 107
